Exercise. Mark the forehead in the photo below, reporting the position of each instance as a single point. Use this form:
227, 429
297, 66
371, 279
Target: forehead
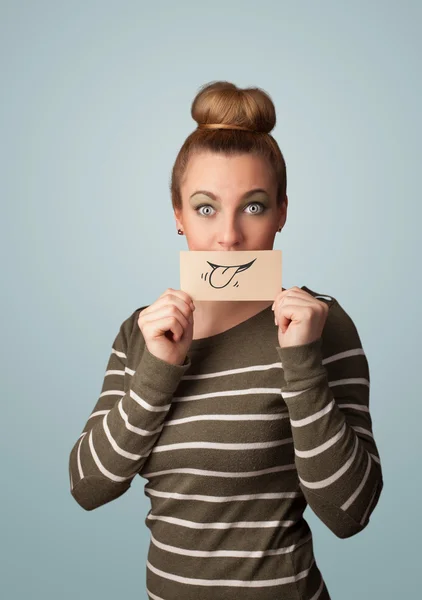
219, 171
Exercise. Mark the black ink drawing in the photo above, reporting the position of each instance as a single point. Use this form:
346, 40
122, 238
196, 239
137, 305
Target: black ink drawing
222, 275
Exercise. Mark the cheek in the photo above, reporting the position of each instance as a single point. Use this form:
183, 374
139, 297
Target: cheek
263, 229
198, 235
263, 237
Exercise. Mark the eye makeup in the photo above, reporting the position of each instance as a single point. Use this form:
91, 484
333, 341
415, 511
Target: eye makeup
258, 197
259, 213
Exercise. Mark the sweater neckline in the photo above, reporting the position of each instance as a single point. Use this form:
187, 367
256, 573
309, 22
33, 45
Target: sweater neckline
219, 338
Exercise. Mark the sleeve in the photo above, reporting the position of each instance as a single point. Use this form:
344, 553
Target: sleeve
122, 427
326, 390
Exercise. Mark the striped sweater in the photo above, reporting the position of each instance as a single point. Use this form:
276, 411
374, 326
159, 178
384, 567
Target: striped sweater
233, 445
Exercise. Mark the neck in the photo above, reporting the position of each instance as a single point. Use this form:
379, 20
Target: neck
211, 311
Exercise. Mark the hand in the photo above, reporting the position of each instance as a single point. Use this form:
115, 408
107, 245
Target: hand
167, 326
299, 316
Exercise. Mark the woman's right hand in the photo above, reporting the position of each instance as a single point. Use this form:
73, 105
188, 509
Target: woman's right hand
167, 326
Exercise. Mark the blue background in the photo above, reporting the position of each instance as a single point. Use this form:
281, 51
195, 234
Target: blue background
95, 104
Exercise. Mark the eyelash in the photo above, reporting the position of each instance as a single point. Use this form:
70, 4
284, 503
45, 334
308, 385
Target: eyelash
264, 208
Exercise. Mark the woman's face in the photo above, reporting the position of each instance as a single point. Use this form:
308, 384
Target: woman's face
220, 210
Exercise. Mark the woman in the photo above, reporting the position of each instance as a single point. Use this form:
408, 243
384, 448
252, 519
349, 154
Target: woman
238, 414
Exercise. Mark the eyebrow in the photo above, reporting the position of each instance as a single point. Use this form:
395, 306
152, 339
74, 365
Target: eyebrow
246, 195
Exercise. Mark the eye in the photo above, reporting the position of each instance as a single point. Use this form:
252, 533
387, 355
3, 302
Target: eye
256, 211
207, 206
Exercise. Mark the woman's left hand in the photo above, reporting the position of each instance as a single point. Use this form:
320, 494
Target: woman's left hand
300, 317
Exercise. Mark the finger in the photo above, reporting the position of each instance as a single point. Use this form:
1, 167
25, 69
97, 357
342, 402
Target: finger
171, 300
290, 293
167, 311
289, 311
158, 327
284, 312
315, 306
181, 294
175, 300
287, 300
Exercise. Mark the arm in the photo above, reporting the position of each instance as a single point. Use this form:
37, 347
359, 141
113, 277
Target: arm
123, 427
326, 391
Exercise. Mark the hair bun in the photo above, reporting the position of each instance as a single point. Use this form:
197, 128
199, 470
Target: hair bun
222, 102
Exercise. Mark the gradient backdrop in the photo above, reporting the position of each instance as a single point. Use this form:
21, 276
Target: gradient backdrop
95, 104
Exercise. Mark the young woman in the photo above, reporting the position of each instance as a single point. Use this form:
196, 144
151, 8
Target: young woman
238, 414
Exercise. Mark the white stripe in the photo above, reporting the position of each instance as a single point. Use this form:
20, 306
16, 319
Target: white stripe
229, 393
114, 372
221, 525
221, 445
322, 296
376, 459
153, 596
276, 365
118, 353
318, 592
114, 444
146, 405
225, 417
101, 467
81, 473
312, 418
250, 368
350, 380
112, 393
345, 354
99, 412
356, 493
368, 507
230, 553
355, 406
293, 394
322, 447
131, 427
314, 485
248, 391
264, 496
228, 474
230, 582
362, 430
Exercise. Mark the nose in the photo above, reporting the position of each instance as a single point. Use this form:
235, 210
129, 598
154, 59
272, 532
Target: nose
230, 237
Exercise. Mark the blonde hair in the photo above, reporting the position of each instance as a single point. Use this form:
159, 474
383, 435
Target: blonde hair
223, 103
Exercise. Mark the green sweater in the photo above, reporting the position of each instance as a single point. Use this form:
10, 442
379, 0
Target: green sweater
233, 445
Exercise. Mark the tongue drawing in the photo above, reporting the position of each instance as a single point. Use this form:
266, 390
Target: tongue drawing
222, 275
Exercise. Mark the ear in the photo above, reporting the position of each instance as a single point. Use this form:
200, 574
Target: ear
178, 217
282, 215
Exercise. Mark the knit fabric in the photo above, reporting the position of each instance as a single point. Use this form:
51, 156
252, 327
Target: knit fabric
233, 445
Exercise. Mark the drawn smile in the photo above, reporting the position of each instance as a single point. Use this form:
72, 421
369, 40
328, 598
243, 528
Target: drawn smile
222, 275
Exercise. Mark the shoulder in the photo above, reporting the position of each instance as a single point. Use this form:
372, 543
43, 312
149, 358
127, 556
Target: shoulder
326, 298
129, 328
340, 331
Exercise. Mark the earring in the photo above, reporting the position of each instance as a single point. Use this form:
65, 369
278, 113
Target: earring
180, 232
280, 229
